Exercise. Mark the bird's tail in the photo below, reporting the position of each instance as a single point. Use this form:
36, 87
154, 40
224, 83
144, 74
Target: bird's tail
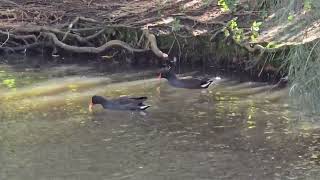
210, 81
144, 107
207, 84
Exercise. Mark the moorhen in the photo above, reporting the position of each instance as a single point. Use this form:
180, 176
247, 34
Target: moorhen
121, 103
191, 83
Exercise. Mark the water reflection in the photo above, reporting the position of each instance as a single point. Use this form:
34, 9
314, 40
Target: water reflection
231, 131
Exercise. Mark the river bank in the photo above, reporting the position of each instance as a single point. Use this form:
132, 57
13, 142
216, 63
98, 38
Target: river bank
264, 39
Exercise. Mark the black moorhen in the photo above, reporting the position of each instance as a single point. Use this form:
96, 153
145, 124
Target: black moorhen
191, 83
121, 103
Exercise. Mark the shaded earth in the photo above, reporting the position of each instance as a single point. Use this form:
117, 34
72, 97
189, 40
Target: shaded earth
160, 14
131, 13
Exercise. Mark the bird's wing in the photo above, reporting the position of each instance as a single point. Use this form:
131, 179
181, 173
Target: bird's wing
195, 83
125, 100
142, 98
191, 81
206, 80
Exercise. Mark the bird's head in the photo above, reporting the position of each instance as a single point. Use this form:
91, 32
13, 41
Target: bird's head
96, 100
166, 73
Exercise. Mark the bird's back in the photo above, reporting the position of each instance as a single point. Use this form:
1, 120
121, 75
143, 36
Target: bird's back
186, 83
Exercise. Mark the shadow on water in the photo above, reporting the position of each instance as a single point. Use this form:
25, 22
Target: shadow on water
233, 130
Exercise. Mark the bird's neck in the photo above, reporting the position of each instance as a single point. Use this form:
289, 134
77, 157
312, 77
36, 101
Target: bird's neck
172, 77
104, 102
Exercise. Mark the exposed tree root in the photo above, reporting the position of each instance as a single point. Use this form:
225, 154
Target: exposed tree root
75, 21
86, 39
58, 32
18, 37
93, 50
22, 48
153, 45
86, 35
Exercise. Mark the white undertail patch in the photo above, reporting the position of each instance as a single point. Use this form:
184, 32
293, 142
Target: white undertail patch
144, 107
206, 84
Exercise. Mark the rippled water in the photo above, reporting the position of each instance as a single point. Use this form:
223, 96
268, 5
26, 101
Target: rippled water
233, 130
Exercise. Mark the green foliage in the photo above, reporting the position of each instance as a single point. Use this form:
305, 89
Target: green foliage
290, 17
305, 76
238, 34
307, 5
7, 80
226, 32
272, 44
233, 24
223, 5
10, 83
176, 25
303, 61
255, 28
227, 5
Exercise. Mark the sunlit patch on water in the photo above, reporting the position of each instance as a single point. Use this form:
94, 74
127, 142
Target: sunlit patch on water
231, 130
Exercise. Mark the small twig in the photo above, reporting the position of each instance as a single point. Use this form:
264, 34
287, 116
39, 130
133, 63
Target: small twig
8, 37
87, 29
109, 57
171, 46
70, 27
213, 37
141, 38
93, 36
89, 3
75, 21
88, 20
264, 64
105, 38
180, 52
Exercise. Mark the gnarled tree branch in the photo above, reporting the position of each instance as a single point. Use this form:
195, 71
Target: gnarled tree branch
93, 50
153, 45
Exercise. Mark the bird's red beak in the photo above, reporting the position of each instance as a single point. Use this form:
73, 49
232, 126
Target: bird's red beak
159, 77
90, 106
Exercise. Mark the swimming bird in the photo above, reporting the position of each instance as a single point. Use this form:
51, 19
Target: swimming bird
191, 83
121, 103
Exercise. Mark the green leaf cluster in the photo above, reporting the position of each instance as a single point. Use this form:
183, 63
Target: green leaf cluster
307, 5
176, 25
255, 28
237, 32
227, 5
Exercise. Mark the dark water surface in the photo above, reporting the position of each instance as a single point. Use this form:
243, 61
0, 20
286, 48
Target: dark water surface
233, 130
